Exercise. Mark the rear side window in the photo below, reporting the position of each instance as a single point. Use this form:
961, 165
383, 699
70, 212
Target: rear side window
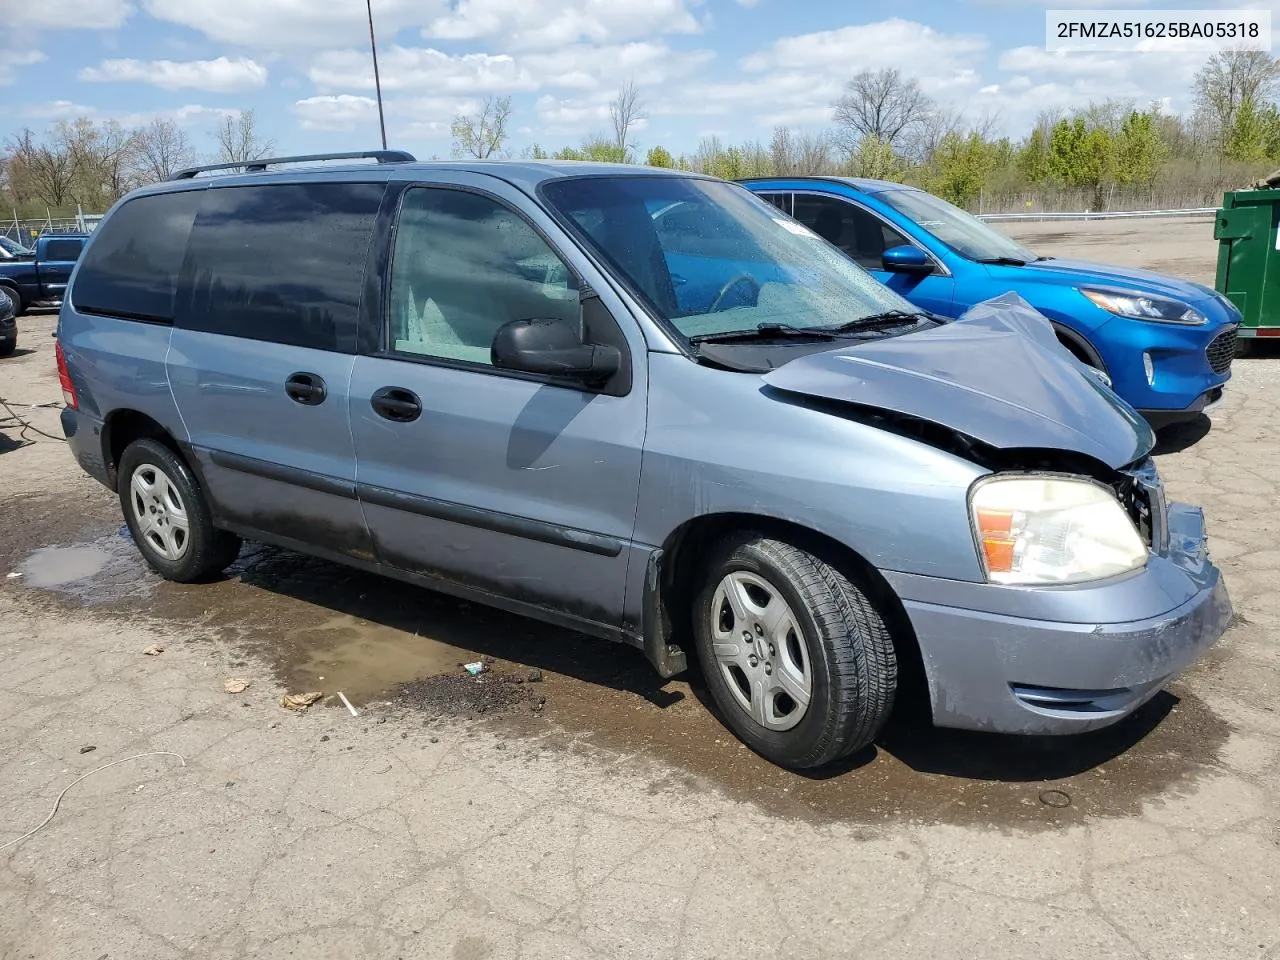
131, 269
64, 250
282, 263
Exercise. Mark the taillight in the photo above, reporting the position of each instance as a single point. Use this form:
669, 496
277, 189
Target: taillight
64, 378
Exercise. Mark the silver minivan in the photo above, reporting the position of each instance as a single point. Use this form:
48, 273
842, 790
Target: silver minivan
645, 405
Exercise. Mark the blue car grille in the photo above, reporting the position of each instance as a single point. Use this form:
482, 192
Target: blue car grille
1222, 350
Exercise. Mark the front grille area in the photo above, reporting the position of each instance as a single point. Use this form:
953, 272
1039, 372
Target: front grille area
1222, 350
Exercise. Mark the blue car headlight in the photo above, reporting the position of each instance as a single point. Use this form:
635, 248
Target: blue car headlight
1144, 306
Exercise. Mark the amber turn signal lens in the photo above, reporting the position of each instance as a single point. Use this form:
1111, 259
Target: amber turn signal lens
995, 528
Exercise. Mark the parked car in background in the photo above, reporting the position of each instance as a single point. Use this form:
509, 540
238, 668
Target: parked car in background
8, 327
1166, 344
9, 249
40, 279
704, 434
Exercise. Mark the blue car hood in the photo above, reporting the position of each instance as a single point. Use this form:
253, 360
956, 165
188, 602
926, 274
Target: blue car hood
998, 375
1082, 273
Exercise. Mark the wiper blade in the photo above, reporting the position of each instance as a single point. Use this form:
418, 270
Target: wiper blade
765, 331
890, 318
1004, 261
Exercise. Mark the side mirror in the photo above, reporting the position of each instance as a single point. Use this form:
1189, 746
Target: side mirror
906, 259
553, 348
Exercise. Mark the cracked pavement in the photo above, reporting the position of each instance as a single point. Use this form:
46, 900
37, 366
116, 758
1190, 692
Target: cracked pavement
623, 821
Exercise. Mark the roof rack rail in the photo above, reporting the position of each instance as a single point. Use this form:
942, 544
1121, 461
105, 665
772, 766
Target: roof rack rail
258, 166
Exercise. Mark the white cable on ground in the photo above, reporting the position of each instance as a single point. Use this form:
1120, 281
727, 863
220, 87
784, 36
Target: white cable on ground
54, 812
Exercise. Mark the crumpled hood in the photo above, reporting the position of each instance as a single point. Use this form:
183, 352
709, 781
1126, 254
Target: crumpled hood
1082, 273
998, 374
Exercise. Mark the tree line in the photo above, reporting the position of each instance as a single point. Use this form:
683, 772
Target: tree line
1101, 155
89, 165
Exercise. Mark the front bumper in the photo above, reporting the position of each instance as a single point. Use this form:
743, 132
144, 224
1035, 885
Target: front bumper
1061, 660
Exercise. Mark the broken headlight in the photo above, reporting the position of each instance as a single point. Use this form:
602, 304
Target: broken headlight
1052, 530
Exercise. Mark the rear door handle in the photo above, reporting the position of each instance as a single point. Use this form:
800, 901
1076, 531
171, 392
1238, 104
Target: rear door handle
396, 404
306, 388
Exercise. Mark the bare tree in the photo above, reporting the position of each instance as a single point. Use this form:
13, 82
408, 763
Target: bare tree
483, 135
782, 152
40, 170
238, 139
813, 154
1231, 78
881, 104
103, 158
625, 111
163, 149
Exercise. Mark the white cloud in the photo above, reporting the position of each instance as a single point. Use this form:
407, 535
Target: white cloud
11, 60
581, 67
548, 24
64, 14
59, 110
406, 68
274, 24
219, 76
343, 112
405, 116
912, 47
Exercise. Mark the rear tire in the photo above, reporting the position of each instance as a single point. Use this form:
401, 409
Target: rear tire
168, 515
798, 659
8, 346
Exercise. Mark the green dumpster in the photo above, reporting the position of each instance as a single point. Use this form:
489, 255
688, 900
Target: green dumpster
1249, 259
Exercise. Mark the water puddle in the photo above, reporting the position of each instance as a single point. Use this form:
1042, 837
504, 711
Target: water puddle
102, 571
51, 567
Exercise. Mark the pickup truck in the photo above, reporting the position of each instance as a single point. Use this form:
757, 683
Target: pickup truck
39, 280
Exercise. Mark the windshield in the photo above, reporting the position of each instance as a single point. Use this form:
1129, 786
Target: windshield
962, 232
711, 258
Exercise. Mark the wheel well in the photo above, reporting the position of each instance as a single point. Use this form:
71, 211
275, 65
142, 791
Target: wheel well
685, 555
122, 428
1080, 348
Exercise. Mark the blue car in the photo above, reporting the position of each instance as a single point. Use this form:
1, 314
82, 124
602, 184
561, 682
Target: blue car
1165, 343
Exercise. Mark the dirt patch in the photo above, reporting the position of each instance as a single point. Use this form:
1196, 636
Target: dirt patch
461, 695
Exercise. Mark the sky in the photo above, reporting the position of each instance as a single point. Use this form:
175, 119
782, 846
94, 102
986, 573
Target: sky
729, 68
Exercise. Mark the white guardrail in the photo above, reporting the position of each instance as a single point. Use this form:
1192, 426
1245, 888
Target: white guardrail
1104, 215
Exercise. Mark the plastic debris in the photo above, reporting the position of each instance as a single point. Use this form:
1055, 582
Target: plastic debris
475, 669
299, 701
154, 650
235, 685
347, 703
13, 576
88, 748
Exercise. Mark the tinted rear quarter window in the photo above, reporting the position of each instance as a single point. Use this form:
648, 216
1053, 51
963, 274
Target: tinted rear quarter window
131, 269
65, 250
282, 263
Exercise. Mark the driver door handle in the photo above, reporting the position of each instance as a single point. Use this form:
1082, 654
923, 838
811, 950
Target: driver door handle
396, 404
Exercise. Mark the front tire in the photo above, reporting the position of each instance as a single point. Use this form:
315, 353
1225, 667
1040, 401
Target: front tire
168, 516
798, 659
8, 346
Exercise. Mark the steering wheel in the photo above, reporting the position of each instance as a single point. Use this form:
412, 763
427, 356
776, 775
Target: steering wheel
718, 303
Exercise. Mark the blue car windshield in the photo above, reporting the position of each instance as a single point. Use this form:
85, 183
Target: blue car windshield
710, 257
962, 232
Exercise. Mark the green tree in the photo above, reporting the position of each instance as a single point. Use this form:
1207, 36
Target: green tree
961, 165
1032, 158
874, 158
1140, 150
1252, 132
658, 157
